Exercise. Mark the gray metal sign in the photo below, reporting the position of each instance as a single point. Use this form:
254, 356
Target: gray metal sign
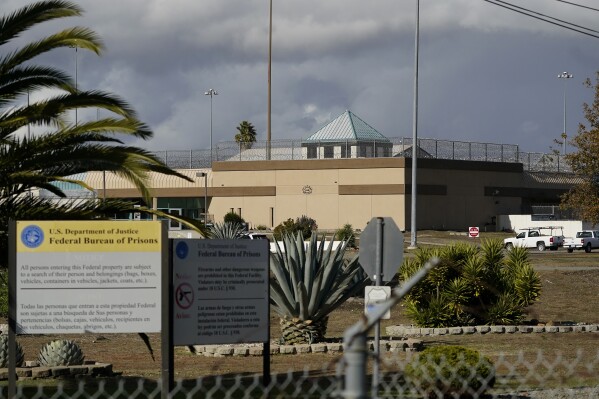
392, 247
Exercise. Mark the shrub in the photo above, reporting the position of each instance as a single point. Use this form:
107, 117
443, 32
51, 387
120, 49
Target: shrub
303, 224
4, 294
233, 218
471, 286
454, 371
347, 233
306, 225
261, 227
287, 227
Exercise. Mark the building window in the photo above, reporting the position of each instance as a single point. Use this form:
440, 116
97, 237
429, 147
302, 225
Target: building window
329, 151
272, 217
312, 152
344, 151
365, 151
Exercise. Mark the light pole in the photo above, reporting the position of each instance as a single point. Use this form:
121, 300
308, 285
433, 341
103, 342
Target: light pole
413, 234
565, 75
211, 93
205, 176
268, 133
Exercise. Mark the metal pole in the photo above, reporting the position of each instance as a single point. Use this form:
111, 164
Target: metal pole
354, 338
380, 223
268, 127
211, 93
205, 200
167, 354
565, 75
413, 241
211, 130
76, 82
355, 372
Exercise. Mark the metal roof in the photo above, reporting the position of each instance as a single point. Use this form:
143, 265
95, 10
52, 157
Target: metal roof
347, 126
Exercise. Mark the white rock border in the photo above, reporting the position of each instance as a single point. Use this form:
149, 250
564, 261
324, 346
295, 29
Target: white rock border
409, 331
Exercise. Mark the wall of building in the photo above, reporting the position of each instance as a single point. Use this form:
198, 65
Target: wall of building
451, 194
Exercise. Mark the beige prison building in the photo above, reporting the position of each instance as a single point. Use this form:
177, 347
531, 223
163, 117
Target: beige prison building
348, 173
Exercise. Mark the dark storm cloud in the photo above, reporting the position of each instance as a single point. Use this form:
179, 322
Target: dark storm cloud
486, 74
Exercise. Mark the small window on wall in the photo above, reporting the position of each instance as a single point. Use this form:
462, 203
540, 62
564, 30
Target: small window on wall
312, 152
329, 151
363, 151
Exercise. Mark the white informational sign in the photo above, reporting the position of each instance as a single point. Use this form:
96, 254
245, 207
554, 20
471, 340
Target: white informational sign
473, 232
374, 295
221, 291
88, 276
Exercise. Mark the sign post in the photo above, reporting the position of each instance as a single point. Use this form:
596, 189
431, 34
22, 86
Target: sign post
94, 276
221, 293
381, 253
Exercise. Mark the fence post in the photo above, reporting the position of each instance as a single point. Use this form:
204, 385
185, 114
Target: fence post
354, 338
355, 373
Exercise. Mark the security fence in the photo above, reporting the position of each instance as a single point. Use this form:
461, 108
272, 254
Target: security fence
523, 374
435, 368
287, 150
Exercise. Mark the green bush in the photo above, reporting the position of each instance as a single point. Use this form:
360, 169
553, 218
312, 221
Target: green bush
233, 218
261, 227
347, 233
287, 227
453, 371
471, 286
306, 225
303, 224
4, 294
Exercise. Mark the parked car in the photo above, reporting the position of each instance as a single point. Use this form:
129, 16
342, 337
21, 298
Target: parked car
585, 239
253, 236
533, 237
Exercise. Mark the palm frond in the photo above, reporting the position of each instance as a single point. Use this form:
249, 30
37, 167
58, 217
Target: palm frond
12, 25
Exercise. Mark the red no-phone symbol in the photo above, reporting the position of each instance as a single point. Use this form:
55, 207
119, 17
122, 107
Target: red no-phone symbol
184, 296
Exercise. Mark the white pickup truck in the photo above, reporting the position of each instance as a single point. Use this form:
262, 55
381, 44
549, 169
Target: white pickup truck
585, 239
533, 238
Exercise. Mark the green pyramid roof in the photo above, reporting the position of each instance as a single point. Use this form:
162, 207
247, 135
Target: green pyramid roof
347, 127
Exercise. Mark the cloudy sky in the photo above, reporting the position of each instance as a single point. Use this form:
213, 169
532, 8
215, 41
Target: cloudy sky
487, 74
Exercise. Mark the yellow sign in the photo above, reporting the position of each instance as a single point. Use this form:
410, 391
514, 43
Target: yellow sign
88, 236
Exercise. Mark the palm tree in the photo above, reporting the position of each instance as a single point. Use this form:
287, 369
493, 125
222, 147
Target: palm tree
62, 148
247, 134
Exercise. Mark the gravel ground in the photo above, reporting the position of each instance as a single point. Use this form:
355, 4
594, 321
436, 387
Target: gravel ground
558, 393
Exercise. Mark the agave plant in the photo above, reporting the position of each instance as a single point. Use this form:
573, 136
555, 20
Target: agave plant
4, 352
224, 231
60, 352
310, 281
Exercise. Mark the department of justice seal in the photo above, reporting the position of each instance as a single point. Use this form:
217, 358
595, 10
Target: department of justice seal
32, 236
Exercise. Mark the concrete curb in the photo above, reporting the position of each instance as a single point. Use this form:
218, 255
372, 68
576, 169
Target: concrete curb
409, 331
241, 350
91, 369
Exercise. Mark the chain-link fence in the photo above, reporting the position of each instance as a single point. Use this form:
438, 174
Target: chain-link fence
396, 147
569, 373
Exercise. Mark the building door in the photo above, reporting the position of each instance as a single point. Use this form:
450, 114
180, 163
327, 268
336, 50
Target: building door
172, 224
